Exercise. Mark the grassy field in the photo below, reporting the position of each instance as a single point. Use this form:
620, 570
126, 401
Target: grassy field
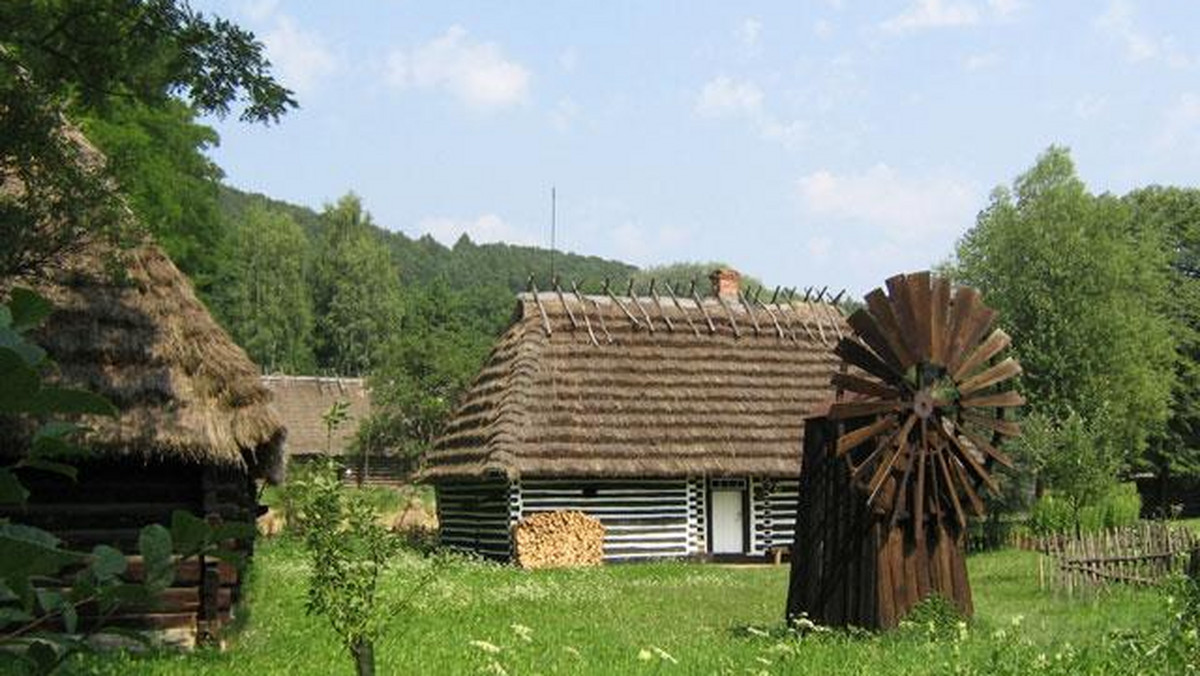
668, 618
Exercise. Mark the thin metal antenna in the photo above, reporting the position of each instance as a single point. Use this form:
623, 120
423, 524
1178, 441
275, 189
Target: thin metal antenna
553, 225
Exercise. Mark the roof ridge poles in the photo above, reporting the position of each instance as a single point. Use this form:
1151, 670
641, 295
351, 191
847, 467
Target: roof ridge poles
637, 303
608, 290
824, 305
792, 303
770, 313
729, 313
712, 328
599, 315
787, 316
562, 299
747, 303
538, 300
661, 310
688, 317
582, 310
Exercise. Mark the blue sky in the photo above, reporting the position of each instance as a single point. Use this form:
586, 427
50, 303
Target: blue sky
829, 143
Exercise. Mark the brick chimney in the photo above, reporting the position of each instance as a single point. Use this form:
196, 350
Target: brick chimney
726, 283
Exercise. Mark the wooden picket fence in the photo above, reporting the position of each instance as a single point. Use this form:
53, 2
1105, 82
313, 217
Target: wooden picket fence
1142, 554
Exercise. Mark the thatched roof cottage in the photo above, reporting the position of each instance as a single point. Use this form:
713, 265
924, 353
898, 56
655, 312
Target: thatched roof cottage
194, 432
676, 421
301, 401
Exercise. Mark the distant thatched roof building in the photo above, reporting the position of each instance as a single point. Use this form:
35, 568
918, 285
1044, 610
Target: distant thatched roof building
589, 390
300, 402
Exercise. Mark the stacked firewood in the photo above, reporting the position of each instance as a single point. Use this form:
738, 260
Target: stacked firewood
558, 540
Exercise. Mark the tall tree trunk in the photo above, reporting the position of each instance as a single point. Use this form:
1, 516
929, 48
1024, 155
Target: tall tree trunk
364, 658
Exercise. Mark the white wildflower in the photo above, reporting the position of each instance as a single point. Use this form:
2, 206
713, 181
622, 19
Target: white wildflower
664, 655
645, 655
486, 647
522, 632
755, 631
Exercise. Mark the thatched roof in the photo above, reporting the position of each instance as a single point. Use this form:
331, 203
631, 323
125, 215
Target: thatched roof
135, 332
724, 398
300, 401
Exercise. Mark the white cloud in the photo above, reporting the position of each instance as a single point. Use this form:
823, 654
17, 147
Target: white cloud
642, 245
476, 73
1089, 107
748, 32
1120, 25
301, 57
568, 59
933, 14
259, 10
1181, 123
723, 96
563, 116
903, 208
976, 62
822, 28
486, 228
924, 14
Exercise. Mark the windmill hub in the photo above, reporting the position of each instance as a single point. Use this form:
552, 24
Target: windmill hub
923, 403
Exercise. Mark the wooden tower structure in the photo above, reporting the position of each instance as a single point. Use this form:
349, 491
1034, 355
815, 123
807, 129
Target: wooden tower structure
893, 467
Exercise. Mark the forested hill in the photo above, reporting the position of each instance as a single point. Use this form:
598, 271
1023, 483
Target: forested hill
466, 265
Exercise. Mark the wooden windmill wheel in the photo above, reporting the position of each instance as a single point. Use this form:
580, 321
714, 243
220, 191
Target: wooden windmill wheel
893, 471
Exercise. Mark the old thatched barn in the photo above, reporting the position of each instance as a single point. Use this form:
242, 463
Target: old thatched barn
194, 431
676, 421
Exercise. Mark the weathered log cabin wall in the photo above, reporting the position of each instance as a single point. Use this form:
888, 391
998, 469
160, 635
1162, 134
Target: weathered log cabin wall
848, 566
114, 499
643, 518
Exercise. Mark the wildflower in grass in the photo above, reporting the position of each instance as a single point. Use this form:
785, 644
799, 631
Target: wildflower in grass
755, 631
645, 655
486, 647
524, 633
664, 655
1017, 620
572, 651
495, 667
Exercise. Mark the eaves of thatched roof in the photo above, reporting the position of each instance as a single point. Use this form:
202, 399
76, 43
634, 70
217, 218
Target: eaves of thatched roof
127, 325
592, 386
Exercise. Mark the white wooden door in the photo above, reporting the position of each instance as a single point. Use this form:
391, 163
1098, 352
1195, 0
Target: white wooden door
728, 526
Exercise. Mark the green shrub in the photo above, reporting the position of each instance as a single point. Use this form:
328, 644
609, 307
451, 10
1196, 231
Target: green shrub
1052, 514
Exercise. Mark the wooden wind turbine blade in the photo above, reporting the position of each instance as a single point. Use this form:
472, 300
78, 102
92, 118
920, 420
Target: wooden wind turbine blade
985, 446
902, 308
985, 351
896, 444
868, 330
959, 472
939, 317
993, 375
920, 296
881, 310
859, 409
978, 324
1008, 428
910, 458
948, 488
968, 460
856, 354
1006, 399
965, 301
856, 438
919, 496
873, 388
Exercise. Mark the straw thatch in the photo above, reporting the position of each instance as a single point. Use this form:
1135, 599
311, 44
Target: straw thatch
643, 399
300, 401
136, 333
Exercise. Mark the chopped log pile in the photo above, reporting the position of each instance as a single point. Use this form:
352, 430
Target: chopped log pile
558, 540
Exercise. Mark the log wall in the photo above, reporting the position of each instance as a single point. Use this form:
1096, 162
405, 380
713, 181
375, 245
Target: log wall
112, 501
476, 516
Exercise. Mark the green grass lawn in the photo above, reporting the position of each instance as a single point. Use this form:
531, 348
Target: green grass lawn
661, 618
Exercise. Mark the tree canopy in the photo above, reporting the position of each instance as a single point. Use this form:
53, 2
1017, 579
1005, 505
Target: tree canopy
128, 62
1082, 292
